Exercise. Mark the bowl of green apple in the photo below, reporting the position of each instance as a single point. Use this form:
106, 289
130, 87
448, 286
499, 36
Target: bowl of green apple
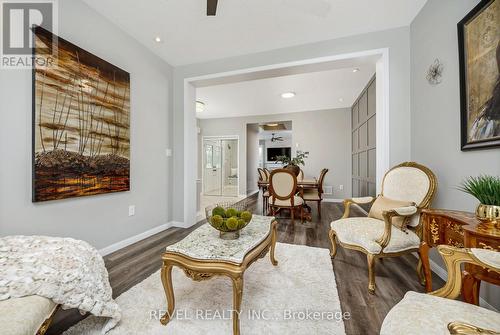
228, 218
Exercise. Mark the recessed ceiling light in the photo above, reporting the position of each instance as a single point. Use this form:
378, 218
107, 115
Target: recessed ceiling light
288, 95
341, 99
356, 69
272, 124
157, 39
200, 106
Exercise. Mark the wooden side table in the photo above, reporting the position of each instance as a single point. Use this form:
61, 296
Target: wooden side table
462, 230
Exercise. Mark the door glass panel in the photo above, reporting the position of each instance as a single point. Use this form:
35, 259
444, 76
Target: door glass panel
212, 171
208, 156
229, 167
217, 157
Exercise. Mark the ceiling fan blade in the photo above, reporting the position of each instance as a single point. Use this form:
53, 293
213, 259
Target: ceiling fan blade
211, 7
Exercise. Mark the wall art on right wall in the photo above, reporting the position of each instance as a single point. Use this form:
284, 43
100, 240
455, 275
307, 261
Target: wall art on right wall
479, 53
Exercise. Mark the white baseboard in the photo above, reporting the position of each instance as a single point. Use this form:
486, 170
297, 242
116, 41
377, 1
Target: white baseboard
136, 238
199, 216
443, 274
178, 224
252, 193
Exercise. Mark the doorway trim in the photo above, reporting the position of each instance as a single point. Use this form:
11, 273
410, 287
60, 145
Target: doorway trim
223, 137
190, 134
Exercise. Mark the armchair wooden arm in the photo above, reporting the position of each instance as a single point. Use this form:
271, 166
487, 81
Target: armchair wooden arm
359, 201
388, 216
460, 328
453, 258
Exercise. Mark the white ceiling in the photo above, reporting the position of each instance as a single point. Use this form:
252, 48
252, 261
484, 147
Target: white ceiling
248, 26
317, 90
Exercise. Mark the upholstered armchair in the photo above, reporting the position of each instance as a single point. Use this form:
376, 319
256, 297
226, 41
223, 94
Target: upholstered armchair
282, 192
392, 227
437, 312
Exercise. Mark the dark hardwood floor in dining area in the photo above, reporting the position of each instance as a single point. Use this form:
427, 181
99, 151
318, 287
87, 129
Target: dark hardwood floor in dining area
394, 276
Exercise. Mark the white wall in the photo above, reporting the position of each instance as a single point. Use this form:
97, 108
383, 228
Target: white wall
436, 110
397, 41
103, 219
325, 134
252, 157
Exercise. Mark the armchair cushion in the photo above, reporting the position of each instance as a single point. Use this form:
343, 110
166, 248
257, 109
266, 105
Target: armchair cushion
364, 232
382, 204
488, 257
24, 315
362, 200
406, 211
425, 314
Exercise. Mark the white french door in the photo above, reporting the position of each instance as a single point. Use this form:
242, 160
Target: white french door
220, 166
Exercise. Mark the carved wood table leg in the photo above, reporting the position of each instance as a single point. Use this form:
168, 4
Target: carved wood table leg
166, 278
470, 288
237, 297
424, 257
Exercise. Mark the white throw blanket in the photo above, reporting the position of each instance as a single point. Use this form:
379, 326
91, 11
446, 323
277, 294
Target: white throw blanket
67, 271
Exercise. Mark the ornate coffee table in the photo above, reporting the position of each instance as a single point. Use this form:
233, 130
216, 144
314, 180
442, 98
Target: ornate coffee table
202, 255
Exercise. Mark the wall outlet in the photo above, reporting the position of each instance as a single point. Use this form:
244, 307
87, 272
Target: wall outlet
341, 187
328, 189
168, 152
131, 210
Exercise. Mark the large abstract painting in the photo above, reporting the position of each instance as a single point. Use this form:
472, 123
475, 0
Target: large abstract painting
479, 48
81, 118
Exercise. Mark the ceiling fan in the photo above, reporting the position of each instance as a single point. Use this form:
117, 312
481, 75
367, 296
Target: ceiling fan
211, 7
276, 138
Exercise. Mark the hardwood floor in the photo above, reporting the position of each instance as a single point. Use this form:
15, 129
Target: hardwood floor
394, 276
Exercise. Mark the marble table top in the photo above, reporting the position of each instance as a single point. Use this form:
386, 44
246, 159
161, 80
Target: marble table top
204, 243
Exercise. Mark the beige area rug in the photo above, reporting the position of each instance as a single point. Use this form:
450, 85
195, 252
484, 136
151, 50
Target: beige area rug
299, 296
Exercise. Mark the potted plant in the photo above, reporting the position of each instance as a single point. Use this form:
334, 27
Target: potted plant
486, 189
292, 164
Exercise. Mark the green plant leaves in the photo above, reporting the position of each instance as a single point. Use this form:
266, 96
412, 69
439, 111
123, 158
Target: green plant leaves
484, 188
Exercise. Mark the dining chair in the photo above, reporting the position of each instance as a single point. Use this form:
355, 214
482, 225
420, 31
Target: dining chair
316, 194
263, 178
282, 190
267, 172
300, 177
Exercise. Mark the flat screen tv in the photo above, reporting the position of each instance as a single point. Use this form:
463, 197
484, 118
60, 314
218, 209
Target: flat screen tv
272, 153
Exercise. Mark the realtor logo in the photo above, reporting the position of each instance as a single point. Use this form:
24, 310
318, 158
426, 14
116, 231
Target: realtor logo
18, 19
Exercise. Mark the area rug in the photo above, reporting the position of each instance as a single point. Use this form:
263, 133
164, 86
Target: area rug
299, 296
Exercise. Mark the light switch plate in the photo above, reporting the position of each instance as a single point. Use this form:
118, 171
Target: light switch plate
168, 152
131, 210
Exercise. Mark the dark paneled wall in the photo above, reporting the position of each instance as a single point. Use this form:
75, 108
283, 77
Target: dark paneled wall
363, 115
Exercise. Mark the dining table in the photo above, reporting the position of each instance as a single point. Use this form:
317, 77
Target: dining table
304, 184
